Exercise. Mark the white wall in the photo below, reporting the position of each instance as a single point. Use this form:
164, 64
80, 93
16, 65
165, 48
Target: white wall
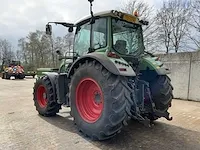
185, 74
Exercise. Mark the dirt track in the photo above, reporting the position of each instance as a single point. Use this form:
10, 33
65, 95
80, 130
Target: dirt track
22, 128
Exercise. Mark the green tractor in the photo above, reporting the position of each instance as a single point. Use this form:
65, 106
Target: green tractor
108, 79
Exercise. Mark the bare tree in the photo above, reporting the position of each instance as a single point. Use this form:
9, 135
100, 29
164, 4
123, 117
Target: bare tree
6, 51
172, 21
68, 41
194, 23
34, 50
22, 45
165, 27
146, 12
18, 55
39, 50
195, 5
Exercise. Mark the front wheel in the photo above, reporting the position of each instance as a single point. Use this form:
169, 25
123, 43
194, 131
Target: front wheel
3, 76
161, 91
21, 76
100, 101
7, 76
43, 97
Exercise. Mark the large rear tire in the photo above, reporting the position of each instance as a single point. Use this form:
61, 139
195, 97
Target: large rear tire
100, 101
7, 76
44, 100
161, 91
21, 76
3, 76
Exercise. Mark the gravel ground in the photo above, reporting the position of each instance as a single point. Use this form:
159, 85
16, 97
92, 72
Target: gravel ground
22, 128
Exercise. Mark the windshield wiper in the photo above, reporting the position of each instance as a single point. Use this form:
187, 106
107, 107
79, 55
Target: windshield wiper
131, 27
149, 54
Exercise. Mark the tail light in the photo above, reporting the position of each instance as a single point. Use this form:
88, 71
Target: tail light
157, 59
122, 69
135, 13
22, 67
113, 55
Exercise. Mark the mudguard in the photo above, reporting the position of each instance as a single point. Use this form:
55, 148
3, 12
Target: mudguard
41, 71
60, 86
153, 64
117, 66
52, 77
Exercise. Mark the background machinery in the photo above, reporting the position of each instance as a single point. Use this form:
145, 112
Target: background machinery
12, 68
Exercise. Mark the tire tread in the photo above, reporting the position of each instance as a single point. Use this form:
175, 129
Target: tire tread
120, 103
52, 107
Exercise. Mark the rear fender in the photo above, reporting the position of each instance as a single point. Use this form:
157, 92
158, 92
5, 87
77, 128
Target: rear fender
52, 77
114, 65
60, 86
43, 71
153, 64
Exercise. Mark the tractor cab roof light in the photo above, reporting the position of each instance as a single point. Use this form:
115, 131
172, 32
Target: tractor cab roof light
135, 13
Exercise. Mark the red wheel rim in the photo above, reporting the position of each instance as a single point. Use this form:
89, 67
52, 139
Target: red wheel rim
89, 100
42, 96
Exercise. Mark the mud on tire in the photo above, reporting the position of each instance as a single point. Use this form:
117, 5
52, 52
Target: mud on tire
45, 105
116, 101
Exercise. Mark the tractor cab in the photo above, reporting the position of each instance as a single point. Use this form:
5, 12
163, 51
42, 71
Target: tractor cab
114, 33
111, 31
15, 63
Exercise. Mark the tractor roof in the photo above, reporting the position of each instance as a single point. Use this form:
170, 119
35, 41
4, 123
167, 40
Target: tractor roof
113, 13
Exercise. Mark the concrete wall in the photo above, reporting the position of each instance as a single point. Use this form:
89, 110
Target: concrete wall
185, 74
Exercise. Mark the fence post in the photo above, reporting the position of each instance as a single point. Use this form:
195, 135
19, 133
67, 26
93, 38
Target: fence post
190, 65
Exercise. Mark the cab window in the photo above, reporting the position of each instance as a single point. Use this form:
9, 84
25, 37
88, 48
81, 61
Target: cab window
82, 37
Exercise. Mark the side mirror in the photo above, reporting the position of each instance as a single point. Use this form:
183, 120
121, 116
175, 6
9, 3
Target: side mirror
59, 52
48, 29
144, 22
70, 29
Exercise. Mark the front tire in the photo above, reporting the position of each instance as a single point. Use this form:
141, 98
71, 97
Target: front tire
21, 76
3, 75
161, 91
44, 100
7, 76
100, 101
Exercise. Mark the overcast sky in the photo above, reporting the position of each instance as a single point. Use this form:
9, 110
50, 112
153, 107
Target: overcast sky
19, 17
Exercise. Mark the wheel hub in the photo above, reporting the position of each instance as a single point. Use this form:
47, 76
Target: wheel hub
42, 96
89, 100
97, 98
